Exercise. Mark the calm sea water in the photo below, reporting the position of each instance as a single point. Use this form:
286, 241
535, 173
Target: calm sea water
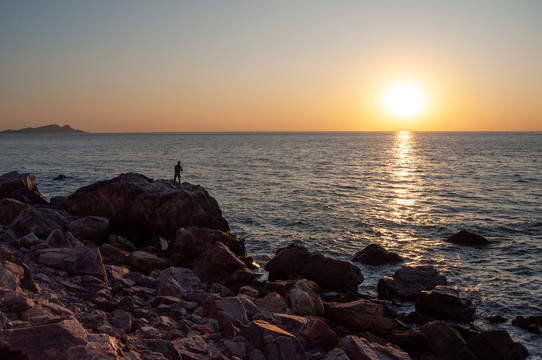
338, 192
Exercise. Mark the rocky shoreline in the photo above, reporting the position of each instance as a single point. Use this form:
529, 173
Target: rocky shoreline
134, 268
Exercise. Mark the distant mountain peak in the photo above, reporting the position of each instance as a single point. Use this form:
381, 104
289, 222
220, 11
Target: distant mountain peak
47, 129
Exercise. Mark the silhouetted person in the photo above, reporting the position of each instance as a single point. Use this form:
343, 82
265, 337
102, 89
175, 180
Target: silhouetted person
178, 169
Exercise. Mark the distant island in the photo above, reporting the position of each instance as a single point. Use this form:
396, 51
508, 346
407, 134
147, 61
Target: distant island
47, 129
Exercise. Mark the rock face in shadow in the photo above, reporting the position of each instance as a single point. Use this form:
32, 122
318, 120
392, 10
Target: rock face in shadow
407, 282
375, 254
21, 187
466, 238
295, 261
141, 208
444, 303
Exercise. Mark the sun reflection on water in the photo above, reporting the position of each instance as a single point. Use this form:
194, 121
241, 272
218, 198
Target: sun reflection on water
403, 176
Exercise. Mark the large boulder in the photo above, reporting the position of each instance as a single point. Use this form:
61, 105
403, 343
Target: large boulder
375, 254
466, 238
272, 341
75, 261
220, 265
37, 219
496, 345
21, 187
191, 242
446, 342
48, 340
444, 303
305, 298
296, 261
92, 228
407, 282
141, 208
361, 315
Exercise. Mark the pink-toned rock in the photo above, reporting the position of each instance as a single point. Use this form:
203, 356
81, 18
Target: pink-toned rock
336, 354
274, 303
147, 262
296, 261
446, 342
141, 208
21, 187
99, 346
290, 323
361, 315
59, 239
17, 301
37, 219
46, 341
226, 310
220, 265
92, 228
122, 320
274, 342
191, 242
76, 261
305, 298
361, 349
319, 334
10, 275
178, 282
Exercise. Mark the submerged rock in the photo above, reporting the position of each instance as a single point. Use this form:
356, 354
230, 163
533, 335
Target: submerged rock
21, 187
407, 282
375, 254
296, 261
141, 208
466, 238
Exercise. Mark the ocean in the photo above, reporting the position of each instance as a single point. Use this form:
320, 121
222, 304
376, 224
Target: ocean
338, 192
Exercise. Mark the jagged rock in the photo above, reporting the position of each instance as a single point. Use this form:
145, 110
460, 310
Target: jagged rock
17, 301
375, 254
76, 261
336, 354
120, 242
29, 240
37, 219
466, 238
361, 315
319, 334
408, 340
58, 238
446, 342
220, 265
114, 256
296, 261
191, 242
274, 303
226, 310
444, 303
272, 341
496, 345
55, 337
10, 275
158, 243
141, 208
407, 282
358, 348
92, 228
9, 210
305, 298
21, 187
147, 262
178, 282
249, 291
98, 346
122, 320
13, 265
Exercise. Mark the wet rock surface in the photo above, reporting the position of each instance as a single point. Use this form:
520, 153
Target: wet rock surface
375, 254
407, 282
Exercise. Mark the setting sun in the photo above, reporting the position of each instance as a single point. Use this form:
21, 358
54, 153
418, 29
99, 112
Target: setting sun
404, 100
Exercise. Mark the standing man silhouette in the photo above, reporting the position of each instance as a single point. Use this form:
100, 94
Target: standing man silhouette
178, 169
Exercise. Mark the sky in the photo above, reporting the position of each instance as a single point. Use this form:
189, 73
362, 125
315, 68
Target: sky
183, 66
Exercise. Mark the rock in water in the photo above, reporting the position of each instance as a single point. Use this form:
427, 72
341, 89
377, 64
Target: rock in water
444, 303
141, 208
407, 282
466, 238
375, 254
295, 261
21, 187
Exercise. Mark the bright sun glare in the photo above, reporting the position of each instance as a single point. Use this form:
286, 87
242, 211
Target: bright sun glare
404, 100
